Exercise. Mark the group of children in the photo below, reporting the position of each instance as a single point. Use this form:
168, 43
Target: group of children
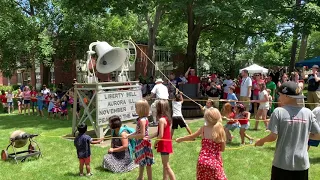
37, 102
213, 140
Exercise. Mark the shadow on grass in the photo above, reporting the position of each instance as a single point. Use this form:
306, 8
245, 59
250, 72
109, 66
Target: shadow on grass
270, 148
315, 160
70, 174
15, 121
100, 169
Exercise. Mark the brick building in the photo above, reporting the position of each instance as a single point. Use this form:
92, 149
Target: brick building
66, 71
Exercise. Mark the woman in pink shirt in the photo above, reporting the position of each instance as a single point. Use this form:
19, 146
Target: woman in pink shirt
256, 90
26, 99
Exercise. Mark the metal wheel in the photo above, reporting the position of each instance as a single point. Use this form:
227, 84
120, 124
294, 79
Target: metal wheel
4, 155
31, 148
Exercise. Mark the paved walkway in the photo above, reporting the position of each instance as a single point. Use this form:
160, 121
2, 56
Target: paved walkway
152, 130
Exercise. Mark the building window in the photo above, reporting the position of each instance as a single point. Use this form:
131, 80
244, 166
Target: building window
162, 56
19, 75
38, 78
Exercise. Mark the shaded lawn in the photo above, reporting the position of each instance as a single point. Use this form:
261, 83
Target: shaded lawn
59, 159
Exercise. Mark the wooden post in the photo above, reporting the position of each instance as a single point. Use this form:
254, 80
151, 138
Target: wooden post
99, 132
74, 110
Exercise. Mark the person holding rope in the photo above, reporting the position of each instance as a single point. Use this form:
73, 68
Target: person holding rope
264, 106
161, 93
210, 165
290, 126
119, 158
243, 117
272, 86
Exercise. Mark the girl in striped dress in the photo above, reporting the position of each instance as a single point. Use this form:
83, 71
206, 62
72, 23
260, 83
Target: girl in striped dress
56, 108
143, 149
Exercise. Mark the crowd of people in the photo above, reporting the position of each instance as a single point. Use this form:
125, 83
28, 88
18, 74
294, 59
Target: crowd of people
36, 102
290, 125
293, 126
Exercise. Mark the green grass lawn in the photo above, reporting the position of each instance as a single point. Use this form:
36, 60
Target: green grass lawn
59, 159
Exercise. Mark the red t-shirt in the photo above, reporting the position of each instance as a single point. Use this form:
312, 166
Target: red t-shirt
47, 99
237, 89
255, 86
3, 98
193, 79
231, 116
33, 96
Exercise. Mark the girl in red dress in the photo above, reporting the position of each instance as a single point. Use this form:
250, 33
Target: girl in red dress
210, 166
164, 142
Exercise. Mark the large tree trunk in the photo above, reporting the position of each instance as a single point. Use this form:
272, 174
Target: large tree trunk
45, 75
153, 30
293, 50
294, 41
150, 53
303, 47
194, 31
233, 59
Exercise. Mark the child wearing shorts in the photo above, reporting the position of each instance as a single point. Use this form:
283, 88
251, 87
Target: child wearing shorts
177, 117
231, 124
82, 143
9, 97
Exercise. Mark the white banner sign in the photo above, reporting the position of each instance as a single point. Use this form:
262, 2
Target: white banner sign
120, 103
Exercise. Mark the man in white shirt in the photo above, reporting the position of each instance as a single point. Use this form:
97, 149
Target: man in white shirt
161, 92
245, 88
45, 90
227, 83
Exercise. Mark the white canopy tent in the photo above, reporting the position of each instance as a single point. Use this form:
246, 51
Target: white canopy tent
254, 68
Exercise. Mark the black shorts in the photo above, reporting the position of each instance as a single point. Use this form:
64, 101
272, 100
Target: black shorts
280, 174
178, 120
26, 101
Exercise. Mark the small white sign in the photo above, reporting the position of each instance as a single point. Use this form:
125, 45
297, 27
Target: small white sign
121, 103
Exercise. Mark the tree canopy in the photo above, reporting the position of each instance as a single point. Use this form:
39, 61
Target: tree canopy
225, 35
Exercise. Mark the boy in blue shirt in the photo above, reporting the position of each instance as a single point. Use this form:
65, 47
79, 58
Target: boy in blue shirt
82, 143
232, 98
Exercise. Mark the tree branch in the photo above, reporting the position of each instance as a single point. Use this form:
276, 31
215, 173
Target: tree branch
148, 20
23, 8
157, 17
246, 31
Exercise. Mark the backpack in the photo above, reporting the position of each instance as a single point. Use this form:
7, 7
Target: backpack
132, 142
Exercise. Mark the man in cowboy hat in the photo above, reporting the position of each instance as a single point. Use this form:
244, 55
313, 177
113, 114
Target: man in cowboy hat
160, 91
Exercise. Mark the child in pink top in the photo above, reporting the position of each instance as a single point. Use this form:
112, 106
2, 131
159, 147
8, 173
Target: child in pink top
26, 99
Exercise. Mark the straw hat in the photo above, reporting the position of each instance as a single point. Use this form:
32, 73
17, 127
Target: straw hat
159, 80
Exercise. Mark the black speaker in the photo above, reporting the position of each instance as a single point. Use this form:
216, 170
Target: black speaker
190, 90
